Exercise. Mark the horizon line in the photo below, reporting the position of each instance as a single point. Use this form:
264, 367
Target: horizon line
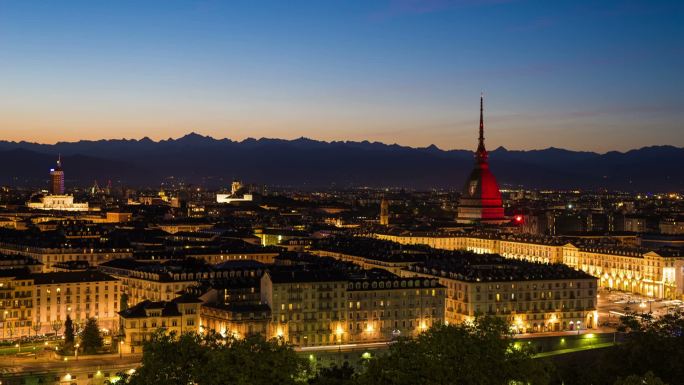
194, 133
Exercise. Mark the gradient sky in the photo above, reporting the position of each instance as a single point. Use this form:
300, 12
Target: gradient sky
589, 75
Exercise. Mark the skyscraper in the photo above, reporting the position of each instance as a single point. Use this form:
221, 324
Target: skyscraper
481, 199
57, 179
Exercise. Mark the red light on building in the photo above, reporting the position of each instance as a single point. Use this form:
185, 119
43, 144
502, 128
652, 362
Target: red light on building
518, 219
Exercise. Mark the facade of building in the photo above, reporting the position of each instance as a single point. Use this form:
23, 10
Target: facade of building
59, 202
381, 309
33, 304
266, 256
48, 256
16, 304
551, 296
672, 226
313, 308
139, 322
656, 274
236, 319
79, 294
229, 198
541, 299
153, 281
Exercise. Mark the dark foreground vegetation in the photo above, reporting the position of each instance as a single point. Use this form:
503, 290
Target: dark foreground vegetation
480, 353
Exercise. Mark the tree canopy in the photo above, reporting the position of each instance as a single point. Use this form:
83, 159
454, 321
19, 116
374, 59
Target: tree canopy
479, 353
91, 339
213, 360
68, 332
652, 344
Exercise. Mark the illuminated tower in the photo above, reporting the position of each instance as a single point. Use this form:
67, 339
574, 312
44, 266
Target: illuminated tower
57, 179
481, 199
384, 212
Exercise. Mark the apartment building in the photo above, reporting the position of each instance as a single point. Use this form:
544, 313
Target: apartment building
140, 322
165, 280
32, 304
654, 273
80, 295
531, 297
326, 307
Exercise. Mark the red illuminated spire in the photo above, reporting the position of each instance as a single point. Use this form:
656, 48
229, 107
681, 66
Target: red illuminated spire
481, 118
481, 154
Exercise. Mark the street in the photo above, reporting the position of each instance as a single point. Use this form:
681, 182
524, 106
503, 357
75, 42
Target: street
50, 364
613, 304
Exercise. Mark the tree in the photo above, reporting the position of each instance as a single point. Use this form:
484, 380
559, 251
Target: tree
481, 352
123, 302
36, 326
334, 375
91, 339
647, 379
212, 360
651, 345
57, 326
68, 332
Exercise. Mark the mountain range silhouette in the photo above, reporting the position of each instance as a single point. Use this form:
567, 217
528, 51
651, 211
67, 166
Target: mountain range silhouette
307, 163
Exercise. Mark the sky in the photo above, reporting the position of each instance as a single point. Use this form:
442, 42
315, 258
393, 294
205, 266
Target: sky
583, 75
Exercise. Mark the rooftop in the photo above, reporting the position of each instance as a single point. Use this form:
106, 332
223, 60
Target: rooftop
70, 277
470, 267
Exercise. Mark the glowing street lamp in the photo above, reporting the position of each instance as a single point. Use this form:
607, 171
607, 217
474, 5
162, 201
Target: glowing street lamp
423, 326
339, 332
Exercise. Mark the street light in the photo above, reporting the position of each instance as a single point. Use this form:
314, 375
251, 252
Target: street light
121, 349
339, 332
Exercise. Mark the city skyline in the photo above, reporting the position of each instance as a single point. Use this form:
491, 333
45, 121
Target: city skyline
406, 72
309, 192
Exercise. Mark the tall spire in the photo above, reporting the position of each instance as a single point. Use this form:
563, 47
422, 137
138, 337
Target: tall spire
481, 118
481, 154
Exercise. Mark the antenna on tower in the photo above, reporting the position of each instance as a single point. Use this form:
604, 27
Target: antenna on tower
482, 117
481, 154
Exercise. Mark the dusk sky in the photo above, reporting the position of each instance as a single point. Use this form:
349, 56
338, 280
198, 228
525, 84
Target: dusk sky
587, 75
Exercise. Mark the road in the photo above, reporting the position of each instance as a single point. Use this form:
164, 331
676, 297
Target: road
612, 304
48, 364
573, 350
344, 347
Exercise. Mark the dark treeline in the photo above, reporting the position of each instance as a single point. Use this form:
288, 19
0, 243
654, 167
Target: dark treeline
481, 353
